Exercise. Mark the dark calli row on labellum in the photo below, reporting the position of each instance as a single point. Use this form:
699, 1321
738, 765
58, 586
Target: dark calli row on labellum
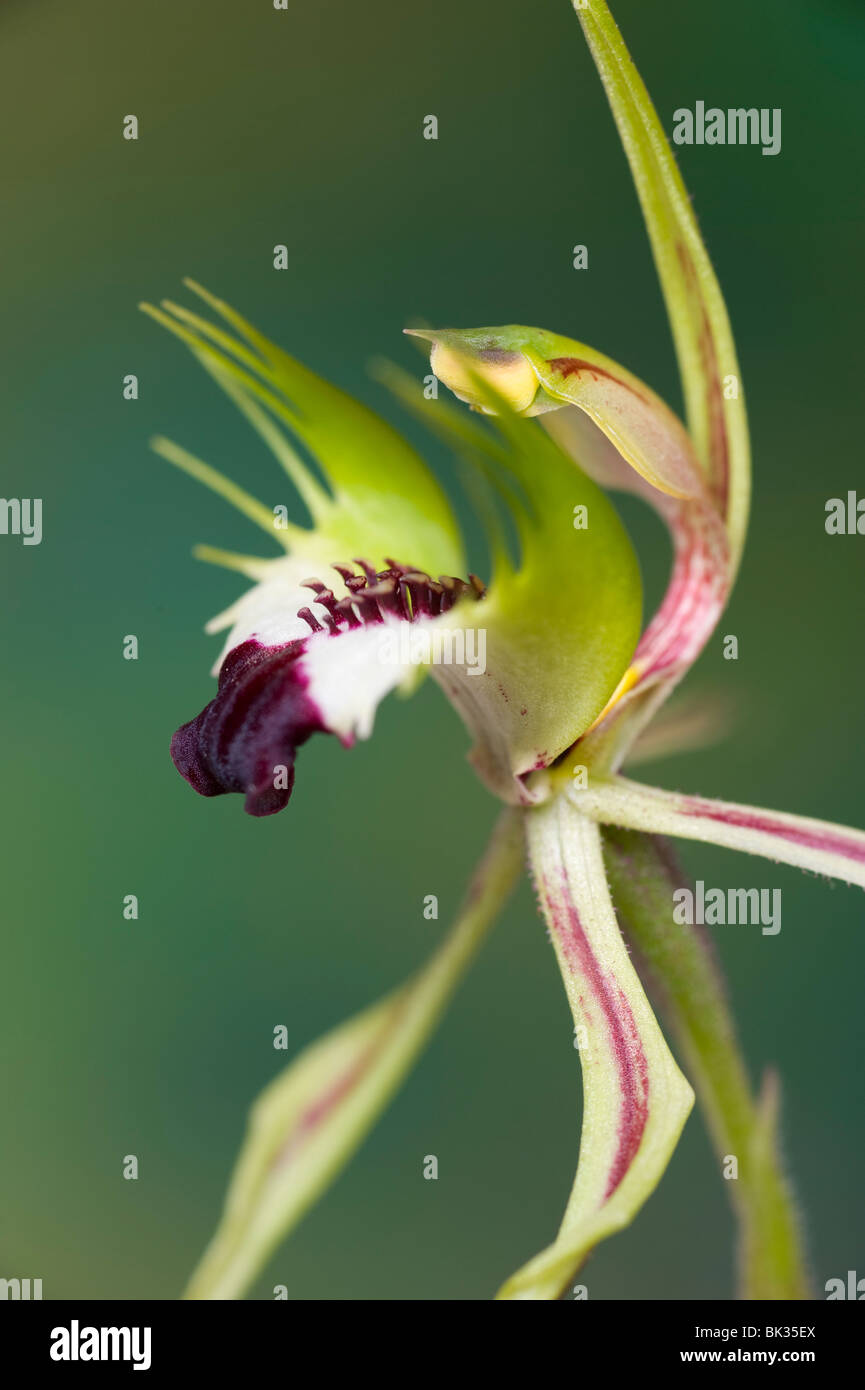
570, 689
272, 697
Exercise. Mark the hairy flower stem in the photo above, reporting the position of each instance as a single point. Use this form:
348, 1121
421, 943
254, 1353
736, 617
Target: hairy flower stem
643, 874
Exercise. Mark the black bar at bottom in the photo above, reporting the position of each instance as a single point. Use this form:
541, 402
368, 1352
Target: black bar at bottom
83, 1339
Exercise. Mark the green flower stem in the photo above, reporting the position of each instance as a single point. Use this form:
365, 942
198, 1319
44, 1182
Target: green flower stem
643, 874
313, 1117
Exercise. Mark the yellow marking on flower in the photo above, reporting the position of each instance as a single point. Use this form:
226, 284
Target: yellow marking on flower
628, 681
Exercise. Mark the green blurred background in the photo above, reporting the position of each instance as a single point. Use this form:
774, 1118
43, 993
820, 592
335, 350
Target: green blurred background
152, 1037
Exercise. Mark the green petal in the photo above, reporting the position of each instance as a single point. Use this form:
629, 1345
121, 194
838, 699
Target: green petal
635, 1099
644, 875
817, 846
706, 353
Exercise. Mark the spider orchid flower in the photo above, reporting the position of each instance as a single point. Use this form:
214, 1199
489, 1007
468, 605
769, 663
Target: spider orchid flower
375, 592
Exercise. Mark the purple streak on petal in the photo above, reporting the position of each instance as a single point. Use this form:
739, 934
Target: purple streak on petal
318, 1110
257, 721
622, 1032
719, 445
574, 366
828, 840
696, 594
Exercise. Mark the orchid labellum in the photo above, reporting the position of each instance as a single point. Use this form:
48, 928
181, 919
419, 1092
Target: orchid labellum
376, 592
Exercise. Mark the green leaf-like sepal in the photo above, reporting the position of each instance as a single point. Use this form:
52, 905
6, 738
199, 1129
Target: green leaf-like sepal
635, 1099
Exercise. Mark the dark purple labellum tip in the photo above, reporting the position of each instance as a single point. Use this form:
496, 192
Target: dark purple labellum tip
246, 739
